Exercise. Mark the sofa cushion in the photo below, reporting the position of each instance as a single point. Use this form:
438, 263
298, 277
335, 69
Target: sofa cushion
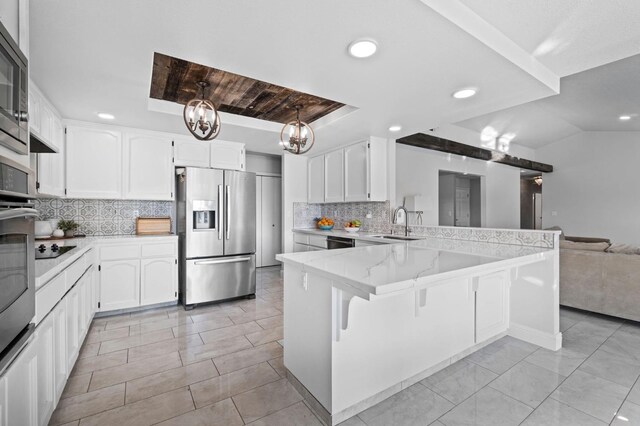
571, 245
623, 249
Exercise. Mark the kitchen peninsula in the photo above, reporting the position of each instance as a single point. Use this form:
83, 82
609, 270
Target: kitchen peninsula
361, 324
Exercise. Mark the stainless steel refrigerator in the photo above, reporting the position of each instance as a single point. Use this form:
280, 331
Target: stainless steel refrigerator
216, 224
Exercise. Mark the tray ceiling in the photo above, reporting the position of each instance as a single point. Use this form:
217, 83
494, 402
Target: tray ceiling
175, 80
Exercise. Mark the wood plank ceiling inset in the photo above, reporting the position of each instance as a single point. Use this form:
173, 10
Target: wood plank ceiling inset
175, 80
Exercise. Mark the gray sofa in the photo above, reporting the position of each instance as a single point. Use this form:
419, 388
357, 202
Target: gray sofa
597, 280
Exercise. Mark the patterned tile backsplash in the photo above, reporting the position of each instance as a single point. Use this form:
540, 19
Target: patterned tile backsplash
103, 217
380, 221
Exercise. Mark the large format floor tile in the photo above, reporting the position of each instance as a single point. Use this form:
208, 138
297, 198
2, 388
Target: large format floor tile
265, 400
616, 367
415, 405
488, 407
77, 407
552, 412
463, 383
528, 383
629, 414
597, 397
247, 357
223, 413
297, 414
133, 370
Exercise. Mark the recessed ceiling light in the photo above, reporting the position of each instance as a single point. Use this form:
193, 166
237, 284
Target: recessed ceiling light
363, 48
395, 128
105, 116
624, 117
465, 93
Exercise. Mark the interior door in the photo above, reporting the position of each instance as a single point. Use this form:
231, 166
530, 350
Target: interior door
271, 219
537, 211
463, 207
239, 213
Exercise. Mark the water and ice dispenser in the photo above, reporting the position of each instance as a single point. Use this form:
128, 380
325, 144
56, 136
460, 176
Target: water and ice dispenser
204, 214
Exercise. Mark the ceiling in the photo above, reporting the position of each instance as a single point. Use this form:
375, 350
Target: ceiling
88, 57
591, 100
176, 80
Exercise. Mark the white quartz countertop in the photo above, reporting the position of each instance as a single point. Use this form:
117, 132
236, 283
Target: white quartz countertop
46, 269
387, 268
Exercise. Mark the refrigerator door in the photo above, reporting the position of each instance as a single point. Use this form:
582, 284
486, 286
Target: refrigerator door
240, 213
203, 212
209, 280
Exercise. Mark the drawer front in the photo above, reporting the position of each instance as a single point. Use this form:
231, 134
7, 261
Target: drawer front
128, 251
158, 250
300, 238
317, 241
49, 295
75, 271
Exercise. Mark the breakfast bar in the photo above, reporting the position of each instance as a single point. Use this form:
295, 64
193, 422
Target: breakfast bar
361, 324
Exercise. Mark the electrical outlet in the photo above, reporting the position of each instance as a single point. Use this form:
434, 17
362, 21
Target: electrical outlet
136, 213
554, 213
369, 215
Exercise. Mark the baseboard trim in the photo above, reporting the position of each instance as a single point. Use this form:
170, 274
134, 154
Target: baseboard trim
537, 337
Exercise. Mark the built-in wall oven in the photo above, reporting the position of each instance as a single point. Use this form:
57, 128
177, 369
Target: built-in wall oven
13, 95
17, 259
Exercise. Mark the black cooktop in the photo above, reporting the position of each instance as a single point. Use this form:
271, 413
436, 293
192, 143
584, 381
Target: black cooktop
51, 252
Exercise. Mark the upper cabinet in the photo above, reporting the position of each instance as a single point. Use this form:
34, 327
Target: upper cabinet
227, 155
94, 163
148, 167
43, 118
191, 152
51, 165
315, 181
334, 176
355, 173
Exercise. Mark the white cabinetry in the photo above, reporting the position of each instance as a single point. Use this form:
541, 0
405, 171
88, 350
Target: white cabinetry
492, 305
148, 167
44, 341
72, 308
94, 163
34, 109
60, 369
157, 283
356, 186
191, 152
22, 388
315, 181
138, 274
227, 155
51, 165
119, 284
334, 176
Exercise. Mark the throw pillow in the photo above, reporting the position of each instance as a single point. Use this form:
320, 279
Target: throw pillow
623, 249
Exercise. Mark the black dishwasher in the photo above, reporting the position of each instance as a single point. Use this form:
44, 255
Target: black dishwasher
340, 243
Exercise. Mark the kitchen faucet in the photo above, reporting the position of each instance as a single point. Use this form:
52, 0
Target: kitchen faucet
406, 219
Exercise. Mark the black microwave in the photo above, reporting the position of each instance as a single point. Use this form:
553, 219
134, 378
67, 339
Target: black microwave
14, 126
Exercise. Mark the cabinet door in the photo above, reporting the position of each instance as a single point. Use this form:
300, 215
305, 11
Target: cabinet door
158, 280
94, 163
3, 401
44, 340
22, 388
119, 284
356, 177
492, 298
73, 336
148, 167
51, 165
271, 241
34, 111
227, 155
334, 176
191, 152
83, 310
46, 122
60, 368
315, 180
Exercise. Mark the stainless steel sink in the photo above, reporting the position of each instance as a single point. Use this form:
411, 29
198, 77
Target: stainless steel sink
394, 237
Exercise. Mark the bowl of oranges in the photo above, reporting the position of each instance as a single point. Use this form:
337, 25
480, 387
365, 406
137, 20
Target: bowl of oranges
325, 223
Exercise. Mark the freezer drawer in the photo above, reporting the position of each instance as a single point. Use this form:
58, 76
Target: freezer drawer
219, 278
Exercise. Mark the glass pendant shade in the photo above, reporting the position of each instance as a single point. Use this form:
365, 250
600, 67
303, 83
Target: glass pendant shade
201, 116
297, 137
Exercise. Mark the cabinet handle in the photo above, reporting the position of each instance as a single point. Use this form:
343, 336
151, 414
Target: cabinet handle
216, 262
228, 212
219, 212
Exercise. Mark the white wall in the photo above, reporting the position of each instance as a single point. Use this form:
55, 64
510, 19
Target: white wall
470, 137
417, 173
594, 187
264, 163
294, 190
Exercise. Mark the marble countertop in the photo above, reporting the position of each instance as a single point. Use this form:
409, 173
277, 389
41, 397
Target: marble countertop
387, 268
46, 269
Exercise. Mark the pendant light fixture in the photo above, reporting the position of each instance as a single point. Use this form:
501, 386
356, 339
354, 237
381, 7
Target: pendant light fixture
297, 137
201, 116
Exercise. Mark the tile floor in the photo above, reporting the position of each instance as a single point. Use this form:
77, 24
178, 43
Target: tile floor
222, 365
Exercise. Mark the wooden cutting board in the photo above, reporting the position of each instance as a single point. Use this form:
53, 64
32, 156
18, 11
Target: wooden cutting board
153, 225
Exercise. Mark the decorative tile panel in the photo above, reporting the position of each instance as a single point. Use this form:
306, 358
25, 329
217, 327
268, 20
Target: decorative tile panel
304, 213
102, 217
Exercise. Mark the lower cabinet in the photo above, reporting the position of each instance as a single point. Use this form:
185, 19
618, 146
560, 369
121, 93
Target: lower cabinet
156, 285
44, 340
60, 368
22, 388
141, 274
72, 303
119, 284
492, 305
